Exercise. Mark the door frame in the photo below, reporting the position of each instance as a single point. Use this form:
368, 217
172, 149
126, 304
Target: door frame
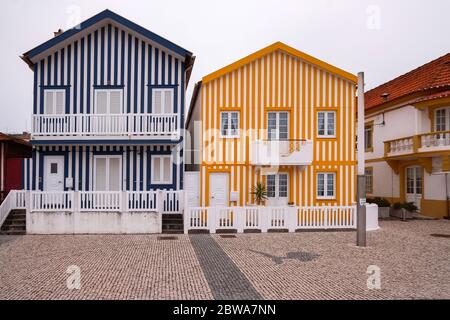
405, 177
278, 123
208, 184
277, 186
46, 173
195, 174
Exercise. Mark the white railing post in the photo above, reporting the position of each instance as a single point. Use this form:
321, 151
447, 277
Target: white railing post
211, 213
239, 216
291, 219
125, 203
160, 208
184, 208
28, 211
264, 218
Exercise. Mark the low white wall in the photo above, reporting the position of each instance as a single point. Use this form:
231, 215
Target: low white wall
93, 222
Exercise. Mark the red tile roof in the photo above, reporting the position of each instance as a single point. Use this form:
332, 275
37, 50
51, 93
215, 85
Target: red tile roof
429, 78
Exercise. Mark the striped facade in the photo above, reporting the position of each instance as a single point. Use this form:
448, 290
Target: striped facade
78, 164
108, 52
279, 78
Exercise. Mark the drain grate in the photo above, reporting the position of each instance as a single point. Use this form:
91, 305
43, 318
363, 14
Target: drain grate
227, 236
167, 238
440, 235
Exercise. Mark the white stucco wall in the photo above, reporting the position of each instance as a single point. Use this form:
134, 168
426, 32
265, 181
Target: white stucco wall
93, 223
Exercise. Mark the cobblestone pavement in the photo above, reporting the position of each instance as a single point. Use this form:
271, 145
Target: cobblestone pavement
308, 265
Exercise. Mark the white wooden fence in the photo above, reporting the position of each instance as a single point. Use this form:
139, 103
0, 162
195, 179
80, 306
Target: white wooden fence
269, 218
164, 201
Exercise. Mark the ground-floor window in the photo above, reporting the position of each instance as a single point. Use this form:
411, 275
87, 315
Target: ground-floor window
326, 185
277, 185
162, 169
107, 173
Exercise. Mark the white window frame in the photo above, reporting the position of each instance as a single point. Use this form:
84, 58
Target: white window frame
108, 103
325, 188
163, 101
326, 135
54, 100
369, 179
161, 169
277, 185
446, 118
228, 135
107, 170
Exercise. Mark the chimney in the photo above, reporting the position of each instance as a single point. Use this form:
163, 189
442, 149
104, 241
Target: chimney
57, 33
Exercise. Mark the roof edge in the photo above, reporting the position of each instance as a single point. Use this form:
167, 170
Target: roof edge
280, 46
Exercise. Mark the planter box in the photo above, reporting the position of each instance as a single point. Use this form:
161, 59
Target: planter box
402, 213
384, 212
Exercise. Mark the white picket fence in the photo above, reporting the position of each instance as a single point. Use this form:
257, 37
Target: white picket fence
164, 201
14, 200
269, 218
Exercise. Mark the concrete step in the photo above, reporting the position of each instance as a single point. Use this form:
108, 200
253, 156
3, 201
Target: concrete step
172, 231
13, 233
172, 227
13, 227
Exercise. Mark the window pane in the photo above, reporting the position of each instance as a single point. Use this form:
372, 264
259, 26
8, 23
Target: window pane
271, 186
330, 185
102, 102
330, 122
49, 102
166, 170
234, 123
100, 174
283, 185
114, 174
320, 185
283, 128
168, 94
272, 126
157, 108
59, 108
156, 169
53, 168
224, 123
115, 102
321, 123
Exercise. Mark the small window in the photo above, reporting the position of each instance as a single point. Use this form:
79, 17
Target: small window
326, 183
326, 124
108, 101
53, 168
162, 101
368, 137
162, 169
229, 124
441, 120
54, 101
369, 180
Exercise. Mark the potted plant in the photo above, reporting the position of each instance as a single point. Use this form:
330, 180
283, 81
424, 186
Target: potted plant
260, 193
404, 210
384, 207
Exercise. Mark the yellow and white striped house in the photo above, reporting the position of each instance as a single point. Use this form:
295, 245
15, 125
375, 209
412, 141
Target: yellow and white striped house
275, 104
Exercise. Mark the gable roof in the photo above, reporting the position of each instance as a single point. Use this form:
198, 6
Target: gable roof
430, 81
280, 46
106, 14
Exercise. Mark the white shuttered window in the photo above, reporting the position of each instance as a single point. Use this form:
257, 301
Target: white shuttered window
162, 101
107, 173
162, 169
108, 101
54, 101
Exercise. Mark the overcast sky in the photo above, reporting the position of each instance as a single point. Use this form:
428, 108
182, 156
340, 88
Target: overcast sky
383, 38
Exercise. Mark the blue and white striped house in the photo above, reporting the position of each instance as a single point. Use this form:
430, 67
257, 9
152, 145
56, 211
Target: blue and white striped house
108, 109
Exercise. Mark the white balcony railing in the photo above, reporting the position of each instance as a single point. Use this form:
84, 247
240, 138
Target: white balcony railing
281, 152
106, 125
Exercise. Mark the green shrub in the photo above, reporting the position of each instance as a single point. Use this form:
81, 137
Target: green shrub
381, 202
409, 206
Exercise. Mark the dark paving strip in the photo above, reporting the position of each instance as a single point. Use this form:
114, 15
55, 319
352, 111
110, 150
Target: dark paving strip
224, 278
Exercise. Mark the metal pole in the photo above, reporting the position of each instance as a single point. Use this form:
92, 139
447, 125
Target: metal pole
361, 178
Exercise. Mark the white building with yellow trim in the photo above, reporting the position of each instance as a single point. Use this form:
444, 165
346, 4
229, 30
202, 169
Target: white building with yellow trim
277, 116
408, 138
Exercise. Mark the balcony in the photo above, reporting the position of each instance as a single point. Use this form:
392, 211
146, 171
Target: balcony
413, 145
281, 153
106, 126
